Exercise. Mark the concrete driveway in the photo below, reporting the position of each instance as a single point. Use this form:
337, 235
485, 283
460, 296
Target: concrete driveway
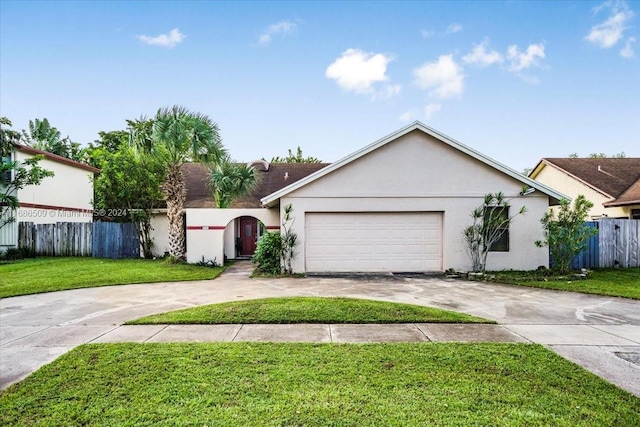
600, 333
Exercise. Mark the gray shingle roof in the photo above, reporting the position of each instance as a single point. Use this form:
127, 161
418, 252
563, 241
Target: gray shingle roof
199, 195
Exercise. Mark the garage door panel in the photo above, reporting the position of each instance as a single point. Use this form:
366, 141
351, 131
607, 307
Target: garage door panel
373, 242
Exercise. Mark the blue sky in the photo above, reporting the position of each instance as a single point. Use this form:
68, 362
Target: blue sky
515, 80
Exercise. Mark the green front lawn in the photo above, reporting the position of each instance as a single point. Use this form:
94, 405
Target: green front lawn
309, 310
617, 282
263, 384
32, 276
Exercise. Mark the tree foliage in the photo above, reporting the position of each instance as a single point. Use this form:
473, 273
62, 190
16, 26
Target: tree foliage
128, 189
295, 158
175, 136
490, 222
566, 233
42, 136
229, 181
267, 254
620, 155
15, 175
275, 252
8, 136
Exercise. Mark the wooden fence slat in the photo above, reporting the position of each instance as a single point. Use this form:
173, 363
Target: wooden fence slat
59, 239
115, 240
619, 243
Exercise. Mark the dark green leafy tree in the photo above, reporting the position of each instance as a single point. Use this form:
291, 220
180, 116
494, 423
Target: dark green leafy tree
275, 252
8, 136
620, 155
230, 181
15, 175
109, 142
128, 187
565, 232
267, 254
42, 136
295, 158
490, 222
175, 136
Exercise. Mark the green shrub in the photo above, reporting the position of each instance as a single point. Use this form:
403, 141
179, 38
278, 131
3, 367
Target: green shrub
12, 254
267, 254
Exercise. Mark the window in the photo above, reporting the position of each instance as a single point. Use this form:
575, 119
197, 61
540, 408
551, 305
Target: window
499, 214
635, 213
6, 174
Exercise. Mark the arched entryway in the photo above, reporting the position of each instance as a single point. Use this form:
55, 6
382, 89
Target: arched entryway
247, 232
241, 237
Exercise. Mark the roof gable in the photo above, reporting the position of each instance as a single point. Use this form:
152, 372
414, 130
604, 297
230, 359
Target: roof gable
610, 176
272, 199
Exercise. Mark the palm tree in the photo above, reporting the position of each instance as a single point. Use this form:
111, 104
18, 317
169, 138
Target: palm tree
175, 136
230, 180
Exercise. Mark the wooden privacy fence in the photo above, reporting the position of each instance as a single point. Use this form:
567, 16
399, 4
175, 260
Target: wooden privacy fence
617, 244
115, 240
619, 241
59, 239
98, 239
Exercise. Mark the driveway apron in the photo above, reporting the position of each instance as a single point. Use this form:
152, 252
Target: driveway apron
600, 333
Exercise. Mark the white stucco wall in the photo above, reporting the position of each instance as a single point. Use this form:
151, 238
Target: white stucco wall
160, 233
417, 173
566, 184
206, 231
65, 197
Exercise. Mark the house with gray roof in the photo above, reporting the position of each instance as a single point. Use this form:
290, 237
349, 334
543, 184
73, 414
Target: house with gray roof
611, 184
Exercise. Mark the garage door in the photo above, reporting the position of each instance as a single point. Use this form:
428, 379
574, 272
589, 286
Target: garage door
373, 242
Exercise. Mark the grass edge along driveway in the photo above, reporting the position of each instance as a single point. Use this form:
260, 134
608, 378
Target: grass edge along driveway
616, 282
308, 310
32, 276
268, 384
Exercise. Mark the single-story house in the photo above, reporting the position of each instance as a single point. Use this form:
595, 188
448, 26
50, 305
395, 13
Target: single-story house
399, 204
65, 197
611, 184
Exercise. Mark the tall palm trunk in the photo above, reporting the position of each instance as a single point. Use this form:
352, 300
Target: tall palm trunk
175, 192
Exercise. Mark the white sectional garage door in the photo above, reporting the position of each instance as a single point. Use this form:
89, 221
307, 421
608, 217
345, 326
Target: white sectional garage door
373, 242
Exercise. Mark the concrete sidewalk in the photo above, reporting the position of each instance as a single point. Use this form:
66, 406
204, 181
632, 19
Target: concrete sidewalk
315, 333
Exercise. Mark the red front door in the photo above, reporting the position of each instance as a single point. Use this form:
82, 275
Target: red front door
248, 235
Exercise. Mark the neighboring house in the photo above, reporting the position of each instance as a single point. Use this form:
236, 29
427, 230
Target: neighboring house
611, 184
398, 205
65, 197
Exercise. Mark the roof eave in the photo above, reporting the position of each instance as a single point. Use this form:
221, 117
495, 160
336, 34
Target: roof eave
56, 158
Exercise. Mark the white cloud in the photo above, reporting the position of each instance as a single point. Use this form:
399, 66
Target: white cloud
608, 33
408, 116
282, 27
627, 50
427, 33
453, 28
519, 61
164, 40
444, 77
389, 91
357, 71
430, 110
479, 56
